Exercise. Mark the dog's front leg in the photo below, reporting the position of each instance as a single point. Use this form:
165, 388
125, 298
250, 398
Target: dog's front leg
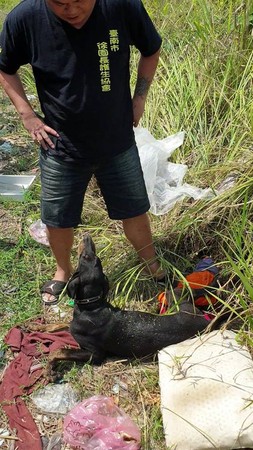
67, 354
48, 327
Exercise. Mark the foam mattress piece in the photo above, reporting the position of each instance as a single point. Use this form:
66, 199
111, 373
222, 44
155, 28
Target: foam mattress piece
206, 388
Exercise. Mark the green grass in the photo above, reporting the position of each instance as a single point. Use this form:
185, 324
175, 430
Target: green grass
203, 85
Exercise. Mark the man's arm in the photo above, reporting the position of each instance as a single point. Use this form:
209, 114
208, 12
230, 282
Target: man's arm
146, 71
33, 124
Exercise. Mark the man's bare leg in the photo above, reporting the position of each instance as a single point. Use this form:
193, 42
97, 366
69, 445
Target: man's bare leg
138, 232
61, 241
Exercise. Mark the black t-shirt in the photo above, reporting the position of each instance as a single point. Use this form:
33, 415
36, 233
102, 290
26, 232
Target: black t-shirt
82, 75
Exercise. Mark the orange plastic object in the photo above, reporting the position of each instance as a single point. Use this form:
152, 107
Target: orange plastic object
196, 281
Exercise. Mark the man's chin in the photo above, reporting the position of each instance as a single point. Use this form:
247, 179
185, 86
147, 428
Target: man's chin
76, 23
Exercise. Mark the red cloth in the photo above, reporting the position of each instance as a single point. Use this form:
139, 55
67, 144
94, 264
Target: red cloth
19, 379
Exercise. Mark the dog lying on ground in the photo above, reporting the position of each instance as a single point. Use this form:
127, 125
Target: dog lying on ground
103, 331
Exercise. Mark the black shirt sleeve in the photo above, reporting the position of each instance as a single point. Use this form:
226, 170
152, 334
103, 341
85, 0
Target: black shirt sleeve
13, 48
143, 34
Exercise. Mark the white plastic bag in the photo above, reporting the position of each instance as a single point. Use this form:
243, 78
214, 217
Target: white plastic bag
207, 393
163, 179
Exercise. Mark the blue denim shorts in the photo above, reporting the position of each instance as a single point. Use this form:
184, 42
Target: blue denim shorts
63, 187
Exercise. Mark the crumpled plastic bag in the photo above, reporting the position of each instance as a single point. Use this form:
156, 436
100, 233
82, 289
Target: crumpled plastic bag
37, 231
98, 424
163, 179
55, 398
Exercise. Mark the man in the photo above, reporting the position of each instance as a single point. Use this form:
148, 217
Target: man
79, 53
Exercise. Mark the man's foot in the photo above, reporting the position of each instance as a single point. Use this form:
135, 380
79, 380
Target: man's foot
155, 271
51, 291
157, 274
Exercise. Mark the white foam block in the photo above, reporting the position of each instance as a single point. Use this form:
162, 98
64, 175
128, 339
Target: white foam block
207, 393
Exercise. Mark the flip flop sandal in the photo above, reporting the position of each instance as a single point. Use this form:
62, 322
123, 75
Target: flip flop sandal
163, 282
55, 288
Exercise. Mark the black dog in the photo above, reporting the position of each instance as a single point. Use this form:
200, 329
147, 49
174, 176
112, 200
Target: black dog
102, 330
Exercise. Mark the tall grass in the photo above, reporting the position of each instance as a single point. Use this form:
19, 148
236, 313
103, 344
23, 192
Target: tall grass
204, 82
203, 86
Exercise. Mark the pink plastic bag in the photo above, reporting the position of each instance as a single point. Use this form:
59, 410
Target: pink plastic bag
98, 424
38, 232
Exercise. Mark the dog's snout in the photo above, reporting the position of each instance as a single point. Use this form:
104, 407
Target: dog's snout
87, 247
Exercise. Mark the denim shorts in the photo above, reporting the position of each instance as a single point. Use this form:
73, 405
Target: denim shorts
63, 187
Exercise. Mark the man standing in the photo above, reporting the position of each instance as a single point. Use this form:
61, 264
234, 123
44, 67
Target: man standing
79, 52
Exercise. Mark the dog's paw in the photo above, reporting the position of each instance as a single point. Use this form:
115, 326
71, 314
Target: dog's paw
51, 374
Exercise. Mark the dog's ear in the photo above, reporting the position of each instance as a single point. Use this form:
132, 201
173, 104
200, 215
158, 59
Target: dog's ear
73, 285
106, 286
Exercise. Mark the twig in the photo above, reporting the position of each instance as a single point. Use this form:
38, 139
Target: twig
13, 438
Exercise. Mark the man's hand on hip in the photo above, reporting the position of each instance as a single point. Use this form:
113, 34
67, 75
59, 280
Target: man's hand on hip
39, 131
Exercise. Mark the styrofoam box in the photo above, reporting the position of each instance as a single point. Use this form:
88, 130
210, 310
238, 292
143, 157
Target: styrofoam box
13, 187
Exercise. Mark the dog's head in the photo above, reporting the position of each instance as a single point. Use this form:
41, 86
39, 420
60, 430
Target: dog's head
89, 281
